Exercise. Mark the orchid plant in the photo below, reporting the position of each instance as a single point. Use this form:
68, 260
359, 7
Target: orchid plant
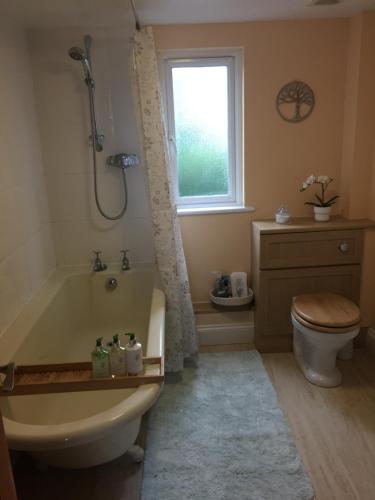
324, 182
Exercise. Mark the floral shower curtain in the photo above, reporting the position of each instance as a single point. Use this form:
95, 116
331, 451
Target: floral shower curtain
181, 340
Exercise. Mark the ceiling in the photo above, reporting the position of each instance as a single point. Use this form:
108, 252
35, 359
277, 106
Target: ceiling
74, 13
212, 11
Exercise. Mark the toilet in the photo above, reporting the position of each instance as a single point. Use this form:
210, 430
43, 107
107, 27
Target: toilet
324, 326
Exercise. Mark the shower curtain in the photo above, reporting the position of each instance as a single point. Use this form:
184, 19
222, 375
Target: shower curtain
181, 340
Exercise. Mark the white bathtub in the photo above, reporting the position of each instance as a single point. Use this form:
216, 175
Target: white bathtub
61, 324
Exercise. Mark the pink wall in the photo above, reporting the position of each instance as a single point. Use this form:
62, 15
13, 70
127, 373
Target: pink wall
278, 155
359, 117
358, 168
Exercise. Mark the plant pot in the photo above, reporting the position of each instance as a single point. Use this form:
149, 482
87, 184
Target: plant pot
322, 214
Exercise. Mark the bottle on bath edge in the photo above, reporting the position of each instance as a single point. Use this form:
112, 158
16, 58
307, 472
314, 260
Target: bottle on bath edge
100, 360
117, 357
134, 361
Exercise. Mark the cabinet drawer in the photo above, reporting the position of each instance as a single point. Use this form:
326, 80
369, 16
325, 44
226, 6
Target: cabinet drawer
320, 248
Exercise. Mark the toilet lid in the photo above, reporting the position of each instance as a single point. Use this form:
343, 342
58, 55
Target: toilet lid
326, 309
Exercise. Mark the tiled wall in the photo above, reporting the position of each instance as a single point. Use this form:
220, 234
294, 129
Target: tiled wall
62, 104
27, 254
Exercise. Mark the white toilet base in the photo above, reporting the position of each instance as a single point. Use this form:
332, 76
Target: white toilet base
323, 375
316, 353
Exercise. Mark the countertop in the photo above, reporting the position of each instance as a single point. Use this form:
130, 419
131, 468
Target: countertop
302, 224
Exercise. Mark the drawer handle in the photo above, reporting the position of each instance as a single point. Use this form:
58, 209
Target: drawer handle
344, 247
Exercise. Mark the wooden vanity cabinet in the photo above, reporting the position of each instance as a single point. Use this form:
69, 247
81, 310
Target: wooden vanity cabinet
302, 257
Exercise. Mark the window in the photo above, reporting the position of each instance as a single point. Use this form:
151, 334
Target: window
203, 100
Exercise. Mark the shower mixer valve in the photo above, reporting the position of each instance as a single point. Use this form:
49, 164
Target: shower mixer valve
123, 160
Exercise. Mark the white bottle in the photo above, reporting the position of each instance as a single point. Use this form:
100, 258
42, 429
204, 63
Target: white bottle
134, 355
117, 357
239, 284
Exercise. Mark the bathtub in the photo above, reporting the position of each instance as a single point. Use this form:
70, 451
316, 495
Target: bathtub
60, 324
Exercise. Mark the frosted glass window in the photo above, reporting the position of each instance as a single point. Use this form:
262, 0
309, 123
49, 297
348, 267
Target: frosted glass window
203, 101
200, 99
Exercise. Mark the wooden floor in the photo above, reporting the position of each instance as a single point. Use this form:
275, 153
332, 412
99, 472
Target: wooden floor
334, 431
334, 428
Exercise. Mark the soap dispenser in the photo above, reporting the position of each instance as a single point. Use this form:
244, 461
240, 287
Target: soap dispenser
134, 361
117, 357
100, 360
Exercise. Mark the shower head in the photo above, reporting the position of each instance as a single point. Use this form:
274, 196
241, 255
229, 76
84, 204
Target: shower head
77, 53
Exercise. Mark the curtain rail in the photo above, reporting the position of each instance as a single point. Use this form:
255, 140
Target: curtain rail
137, 21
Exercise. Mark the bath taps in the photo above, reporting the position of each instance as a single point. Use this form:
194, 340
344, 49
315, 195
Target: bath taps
125, 261
8, 382
98, 264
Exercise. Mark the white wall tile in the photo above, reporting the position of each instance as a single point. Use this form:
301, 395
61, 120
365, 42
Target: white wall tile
142, 244
11, 222
26, 247
62, 104
10, 303
72, 196
20, 269
75, 243
41, 257
58, 245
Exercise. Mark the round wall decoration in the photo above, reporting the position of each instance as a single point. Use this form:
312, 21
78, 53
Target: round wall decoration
295, 101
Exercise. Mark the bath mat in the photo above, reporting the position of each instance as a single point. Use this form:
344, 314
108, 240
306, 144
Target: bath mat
219, 434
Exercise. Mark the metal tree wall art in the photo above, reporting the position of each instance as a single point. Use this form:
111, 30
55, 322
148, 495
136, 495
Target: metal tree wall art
295, 101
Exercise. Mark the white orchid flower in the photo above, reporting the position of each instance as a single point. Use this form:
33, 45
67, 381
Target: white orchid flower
324, 179
310, 180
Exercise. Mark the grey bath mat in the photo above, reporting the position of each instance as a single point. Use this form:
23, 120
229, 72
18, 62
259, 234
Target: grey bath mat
220, 435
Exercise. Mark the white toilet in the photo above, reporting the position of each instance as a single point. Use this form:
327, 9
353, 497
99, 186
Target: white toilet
325, 325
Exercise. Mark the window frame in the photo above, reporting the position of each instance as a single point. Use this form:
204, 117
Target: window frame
232, 58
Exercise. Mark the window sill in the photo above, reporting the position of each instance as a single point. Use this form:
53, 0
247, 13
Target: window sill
214, 210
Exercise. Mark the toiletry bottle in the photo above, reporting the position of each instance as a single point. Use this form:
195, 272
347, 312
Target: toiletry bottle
100, 361
117, 357
134, 361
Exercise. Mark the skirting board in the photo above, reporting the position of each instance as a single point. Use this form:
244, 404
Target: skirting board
240, 333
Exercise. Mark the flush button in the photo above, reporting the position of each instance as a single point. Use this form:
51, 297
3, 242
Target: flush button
344, 247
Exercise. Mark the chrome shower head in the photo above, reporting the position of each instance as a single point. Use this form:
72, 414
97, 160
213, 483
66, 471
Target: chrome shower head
77, 53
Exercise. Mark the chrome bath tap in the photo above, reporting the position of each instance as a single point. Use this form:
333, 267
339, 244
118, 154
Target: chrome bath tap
125, 261
98, 264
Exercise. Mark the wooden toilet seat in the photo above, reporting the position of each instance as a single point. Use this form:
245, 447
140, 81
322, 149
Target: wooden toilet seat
326, 312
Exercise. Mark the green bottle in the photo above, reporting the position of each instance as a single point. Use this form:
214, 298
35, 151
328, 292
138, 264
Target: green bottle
100, 360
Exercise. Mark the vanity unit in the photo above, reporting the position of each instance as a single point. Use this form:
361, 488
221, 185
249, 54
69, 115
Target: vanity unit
301, 257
